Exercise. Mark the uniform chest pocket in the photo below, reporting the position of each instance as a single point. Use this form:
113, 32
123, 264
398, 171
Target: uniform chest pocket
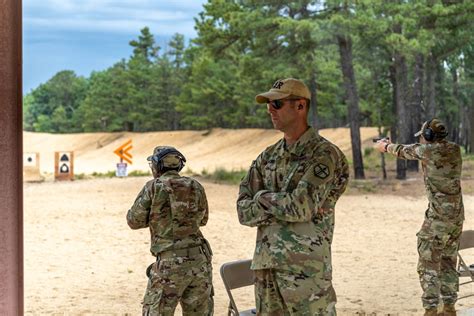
295, 177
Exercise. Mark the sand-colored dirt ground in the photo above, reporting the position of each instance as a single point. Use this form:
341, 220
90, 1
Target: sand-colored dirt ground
230, 149
82, 259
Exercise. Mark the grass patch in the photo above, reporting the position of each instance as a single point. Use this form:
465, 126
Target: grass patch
139, 173
468, 157
108, 174
222, 175
80, 176
373, 161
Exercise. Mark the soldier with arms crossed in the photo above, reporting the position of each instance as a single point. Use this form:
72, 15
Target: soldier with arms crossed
289, 194
174, 207
438, 239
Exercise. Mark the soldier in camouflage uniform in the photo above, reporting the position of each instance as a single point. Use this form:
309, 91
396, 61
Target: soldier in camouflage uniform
174, 207
289, 194
438, 239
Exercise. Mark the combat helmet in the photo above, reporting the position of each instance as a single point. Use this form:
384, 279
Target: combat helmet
167, 157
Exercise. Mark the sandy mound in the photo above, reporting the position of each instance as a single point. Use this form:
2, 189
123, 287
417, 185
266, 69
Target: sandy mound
230, 149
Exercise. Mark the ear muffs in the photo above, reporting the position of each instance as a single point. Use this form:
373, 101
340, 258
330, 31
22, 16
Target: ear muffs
431, 135
428, 133
158, 158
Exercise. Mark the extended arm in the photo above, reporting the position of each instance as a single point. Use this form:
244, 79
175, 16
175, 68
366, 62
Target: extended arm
409, 152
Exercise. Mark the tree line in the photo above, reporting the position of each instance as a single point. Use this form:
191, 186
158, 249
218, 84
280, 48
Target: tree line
391, 64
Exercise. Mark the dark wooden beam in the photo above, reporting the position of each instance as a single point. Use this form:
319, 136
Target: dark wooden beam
11, 162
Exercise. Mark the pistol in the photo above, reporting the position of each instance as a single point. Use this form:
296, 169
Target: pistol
374, 140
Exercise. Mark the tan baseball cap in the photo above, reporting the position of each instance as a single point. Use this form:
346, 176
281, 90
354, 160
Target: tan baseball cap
436, 125
284, 88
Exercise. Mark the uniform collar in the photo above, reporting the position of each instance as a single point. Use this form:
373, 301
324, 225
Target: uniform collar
298, 147
169, 174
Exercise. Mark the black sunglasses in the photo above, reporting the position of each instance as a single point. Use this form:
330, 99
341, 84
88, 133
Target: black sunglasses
276, 104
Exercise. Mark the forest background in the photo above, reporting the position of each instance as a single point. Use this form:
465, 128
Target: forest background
390, 64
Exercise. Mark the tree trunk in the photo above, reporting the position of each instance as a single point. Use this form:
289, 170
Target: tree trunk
393, 126
430, 102
382, 157
314, 101
403, 117
345, 50
459, 137
470, 129
416, 102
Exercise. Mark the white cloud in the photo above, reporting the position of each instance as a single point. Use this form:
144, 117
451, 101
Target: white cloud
118, 26
124, 16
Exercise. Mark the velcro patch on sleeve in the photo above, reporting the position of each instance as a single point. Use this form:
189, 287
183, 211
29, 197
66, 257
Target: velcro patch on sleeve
321, 171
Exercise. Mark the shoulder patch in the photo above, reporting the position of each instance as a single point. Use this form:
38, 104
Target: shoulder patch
321, 171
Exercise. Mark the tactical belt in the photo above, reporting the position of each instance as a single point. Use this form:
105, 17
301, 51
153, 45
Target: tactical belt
187, 252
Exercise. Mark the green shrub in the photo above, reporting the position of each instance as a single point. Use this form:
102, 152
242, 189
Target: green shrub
139, 173
225, 176
368, 151
108, 174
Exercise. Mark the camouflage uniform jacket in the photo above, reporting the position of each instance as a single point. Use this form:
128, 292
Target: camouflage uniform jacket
442, 163
173, 207
282, 193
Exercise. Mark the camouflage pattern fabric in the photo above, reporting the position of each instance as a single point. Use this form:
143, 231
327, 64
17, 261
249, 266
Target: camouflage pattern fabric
438, 243
282, 292
438, 239
289, 194
442, 164
174, 207
187, 280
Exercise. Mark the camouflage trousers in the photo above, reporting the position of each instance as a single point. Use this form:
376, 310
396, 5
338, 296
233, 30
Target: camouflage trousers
184, 280
297, 292
438, 243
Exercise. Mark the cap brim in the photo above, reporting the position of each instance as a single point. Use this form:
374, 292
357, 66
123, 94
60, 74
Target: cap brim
270, 95
149, 158
418, 133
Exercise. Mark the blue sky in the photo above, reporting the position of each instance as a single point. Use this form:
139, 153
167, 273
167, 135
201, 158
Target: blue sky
88, 35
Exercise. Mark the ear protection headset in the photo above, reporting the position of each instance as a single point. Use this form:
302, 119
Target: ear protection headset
428, 133
431, 135
158, 158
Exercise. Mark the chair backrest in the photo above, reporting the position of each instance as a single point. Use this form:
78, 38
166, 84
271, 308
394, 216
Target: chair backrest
463, 269
236, 274
467, 240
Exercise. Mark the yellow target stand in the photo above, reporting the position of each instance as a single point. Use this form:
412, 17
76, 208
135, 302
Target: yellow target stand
64, 165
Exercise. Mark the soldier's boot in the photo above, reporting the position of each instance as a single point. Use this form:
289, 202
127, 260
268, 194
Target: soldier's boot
449, 310
431, 312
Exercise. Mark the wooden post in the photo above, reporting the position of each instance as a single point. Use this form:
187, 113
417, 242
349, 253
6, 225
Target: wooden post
11, 159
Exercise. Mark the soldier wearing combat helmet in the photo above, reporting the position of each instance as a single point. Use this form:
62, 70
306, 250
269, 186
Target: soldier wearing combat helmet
173, 207
438, 238
289, 194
